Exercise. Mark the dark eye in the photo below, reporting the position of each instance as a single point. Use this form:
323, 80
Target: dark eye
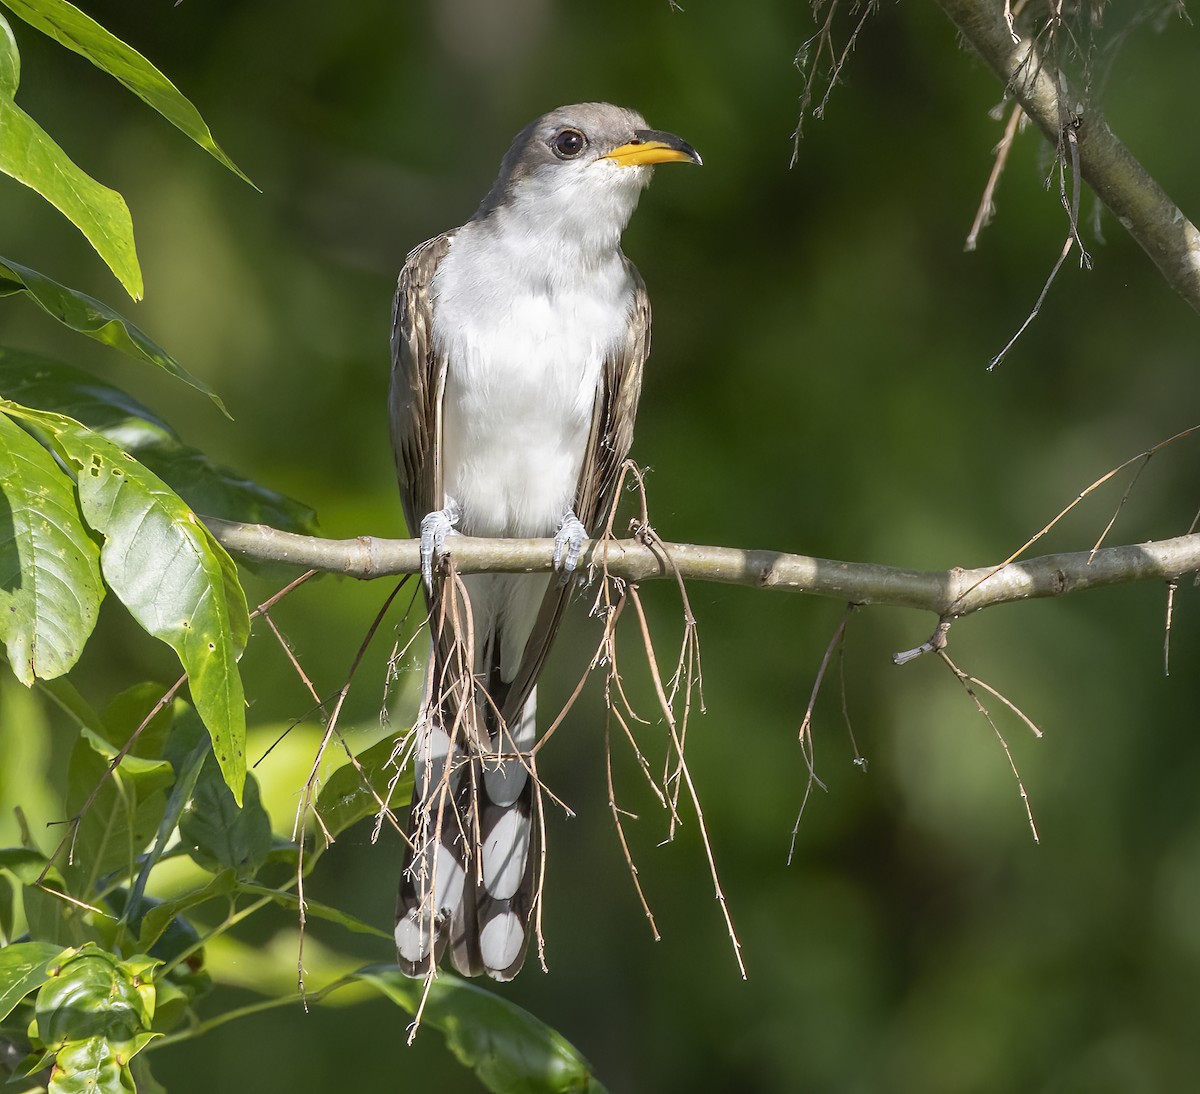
568, 143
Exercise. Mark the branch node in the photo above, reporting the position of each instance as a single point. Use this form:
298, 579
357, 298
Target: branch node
935, 643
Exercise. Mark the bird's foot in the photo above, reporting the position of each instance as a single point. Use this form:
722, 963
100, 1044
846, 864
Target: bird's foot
568, 542
435, 527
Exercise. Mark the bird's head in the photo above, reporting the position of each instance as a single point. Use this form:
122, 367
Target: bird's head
581, 168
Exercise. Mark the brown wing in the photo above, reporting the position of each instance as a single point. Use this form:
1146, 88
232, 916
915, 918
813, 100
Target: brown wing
418, 379
608, 444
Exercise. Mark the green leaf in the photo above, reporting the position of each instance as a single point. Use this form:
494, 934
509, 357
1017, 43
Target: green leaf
31, 156
122, 817
314, 909
10, 61
48, 384
217, 834
167, 569
207, 487
161, 914
94, 994
96, 1012
90, 317
346, 798
25, 864
511, 1051
24, 967
70, 27
50, 588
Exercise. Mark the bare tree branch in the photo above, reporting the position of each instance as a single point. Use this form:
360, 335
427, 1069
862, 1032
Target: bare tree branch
948, 593
1123, 184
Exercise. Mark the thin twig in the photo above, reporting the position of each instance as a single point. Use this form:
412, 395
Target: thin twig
967, 682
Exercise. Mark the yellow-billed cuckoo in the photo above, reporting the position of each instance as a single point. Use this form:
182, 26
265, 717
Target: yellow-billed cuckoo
517, 349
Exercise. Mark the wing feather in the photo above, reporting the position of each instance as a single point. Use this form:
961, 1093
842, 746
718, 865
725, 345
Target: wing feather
418, 380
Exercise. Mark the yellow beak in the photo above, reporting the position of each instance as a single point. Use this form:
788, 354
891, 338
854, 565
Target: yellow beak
651, 146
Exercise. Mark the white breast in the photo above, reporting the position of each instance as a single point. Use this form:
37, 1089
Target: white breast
525, 334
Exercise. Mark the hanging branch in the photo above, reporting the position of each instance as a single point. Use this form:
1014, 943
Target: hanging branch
1118, 179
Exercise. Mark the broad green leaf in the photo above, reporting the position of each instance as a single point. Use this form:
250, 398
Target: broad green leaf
207, 487
95, 1013
94, 994
166, 568
314, 909
161, 914
50, 588
217, 834
511, 1051
25, 864
10, 61
122, 816
217, 491
69, 26
89, 316
31, 156
346, 798
24, 967
47, 384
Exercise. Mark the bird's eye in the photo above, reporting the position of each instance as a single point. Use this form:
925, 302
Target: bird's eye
568, 143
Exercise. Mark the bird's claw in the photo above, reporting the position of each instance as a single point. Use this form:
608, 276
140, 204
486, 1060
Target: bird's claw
568, 543
435, 527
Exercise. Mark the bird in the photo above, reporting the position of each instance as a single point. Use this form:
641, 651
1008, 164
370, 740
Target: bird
518, 343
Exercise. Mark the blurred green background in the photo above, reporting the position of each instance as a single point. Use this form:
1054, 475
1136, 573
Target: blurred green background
817, 384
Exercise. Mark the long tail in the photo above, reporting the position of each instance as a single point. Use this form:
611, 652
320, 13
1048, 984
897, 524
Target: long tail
468, 878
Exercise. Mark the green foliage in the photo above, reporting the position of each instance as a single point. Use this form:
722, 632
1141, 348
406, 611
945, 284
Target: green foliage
509, 1049
166, 568
69, 26
50, 588
29, 155
100, 958
133, 975
88, 316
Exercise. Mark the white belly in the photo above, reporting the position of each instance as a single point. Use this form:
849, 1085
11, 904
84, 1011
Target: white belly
523, 371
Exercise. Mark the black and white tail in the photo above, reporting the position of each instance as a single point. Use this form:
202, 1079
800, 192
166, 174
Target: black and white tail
468, 878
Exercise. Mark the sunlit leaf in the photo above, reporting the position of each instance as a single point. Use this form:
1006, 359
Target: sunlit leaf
10, 61
24, 966
348, 796
166, 568
69, 26
511, 1051
95, 1013
208, 488
219, 835
90, 317
31, 156
50, 589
